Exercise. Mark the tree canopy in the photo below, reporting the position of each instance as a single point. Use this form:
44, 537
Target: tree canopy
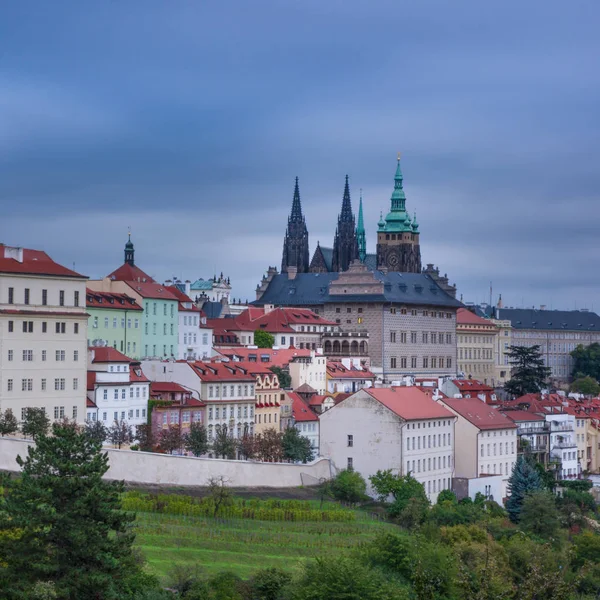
296, 447
587, 386
402, 488
263, 339
285, 379
523, 480
528, 373
586, 361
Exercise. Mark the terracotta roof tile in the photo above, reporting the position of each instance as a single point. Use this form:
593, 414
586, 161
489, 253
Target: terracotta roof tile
409, 403
479, 413
35, 262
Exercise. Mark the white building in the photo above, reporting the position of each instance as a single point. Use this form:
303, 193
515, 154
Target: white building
117, 388
399, 428
43, 335
305, 420
563, 445
486, 440
348, 375
189, 345
310, 369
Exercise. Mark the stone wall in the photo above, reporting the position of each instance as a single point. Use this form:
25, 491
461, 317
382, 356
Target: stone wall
160, 469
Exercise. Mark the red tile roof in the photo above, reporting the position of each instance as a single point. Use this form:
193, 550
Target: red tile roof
134, 377
336, 370
279, 320
221, 372
167, 387
90, 404
274, 358
409, 403
466, 317
154, 291
318, 399
91, 380
518, 416
301, 411
110, 300
127, 272
35, 262
471, 385
479, 413
106, 354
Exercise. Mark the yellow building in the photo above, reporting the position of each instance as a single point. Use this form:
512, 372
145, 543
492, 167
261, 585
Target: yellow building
268, 398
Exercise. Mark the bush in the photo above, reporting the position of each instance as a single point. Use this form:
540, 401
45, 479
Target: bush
349, 486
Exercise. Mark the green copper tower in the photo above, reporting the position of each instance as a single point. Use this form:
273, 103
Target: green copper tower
361, 237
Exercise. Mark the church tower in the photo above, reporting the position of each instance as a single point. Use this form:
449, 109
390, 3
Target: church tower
398, 246
129, 251
295, 243
345, 245
361, 236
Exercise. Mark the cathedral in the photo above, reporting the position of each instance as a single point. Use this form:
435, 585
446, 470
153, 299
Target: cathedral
397, 238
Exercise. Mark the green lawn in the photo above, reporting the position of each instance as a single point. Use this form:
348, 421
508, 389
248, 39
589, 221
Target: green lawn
243, 546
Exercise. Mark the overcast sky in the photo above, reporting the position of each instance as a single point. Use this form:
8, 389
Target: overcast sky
189, 119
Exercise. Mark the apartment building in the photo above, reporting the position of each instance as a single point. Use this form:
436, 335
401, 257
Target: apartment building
43, 335
398, 428
477, 340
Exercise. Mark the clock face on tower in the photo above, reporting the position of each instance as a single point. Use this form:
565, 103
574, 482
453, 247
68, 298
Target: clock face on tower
393, 260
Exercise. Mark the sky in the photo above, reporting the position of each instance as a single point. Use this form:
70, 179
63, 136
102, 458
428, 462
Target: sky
188, 120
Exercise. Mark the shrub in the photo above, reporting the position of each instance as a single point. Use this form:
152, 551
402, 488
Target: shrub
349, 486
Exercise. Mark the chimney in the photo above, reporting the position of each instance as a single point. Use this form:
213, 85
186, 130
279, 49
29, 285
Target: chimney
268, 308
13, 252
542, 307
188, 287
292, 272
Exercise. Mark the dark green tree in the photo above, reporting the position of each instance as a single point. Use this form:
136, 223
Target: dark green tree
402, 488
170, 439
285, 379
35, 423
223, 445
96, 431
528, 373
587, 386
348, 486
269, 583
447, 496
8, 422
586, 361
539, 515
296, 447
145, 437
69, 529
196, 440
263, 339
523, 480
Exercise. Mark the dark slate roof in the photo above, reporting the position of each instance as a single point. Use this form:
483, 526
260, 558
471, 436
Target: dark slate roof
327, 255
212, 310
371, 262
563, 320
310, 289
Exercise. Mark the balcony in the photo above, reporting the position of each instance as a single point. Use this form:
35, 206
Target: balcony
561, 445
529, 430
561, 426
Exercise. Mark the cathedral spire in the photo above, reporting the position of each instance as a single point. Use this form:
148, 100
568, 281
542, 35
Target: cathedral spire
398, 196
360, 232
346, 214
129, 250
296, 215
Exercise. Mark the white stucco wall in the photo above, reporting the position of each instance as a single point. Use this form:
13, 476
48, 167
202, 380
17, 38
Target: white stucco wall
145, 467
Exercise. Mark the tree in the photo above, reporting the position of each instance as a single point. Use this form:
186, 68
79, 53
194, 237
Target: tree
447, 496
528, 373
196, 440
8, 422
96, 431
401, 487
269, 446
539, 515
587, 386
296, 447
523, 480
120, 433
69, 529
349, 486
268, 584
170, 439
35, 423
285, 379
219, 493
586, 361
246, 446
223, 445
263, 339
145, 437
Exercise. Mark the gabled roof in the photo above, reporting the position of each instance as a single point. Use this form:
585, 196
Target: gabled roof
471, 385
182, 297
35, 262
466, 317
107, 354
305, 389
127, 272
409, 403
221, 372
279, 320
110, 300
301, 411
519, 416
318, 399
269, 356
91, 381
563, 320
152, 290
164, 387
478, 413
336, 370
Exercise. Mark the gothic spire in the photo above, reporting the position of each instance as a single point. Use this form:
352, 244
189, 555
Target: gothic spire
296, 215
398, 196
346, 214
360, 232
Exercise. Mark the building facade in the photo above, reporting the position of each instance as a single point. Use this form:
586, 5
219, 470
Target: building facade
477, 340
295, 243
43, 335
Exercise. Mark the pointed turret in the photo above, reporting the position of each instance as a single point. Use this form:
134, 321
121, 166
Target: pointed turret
296, 216
346, 214
129, 250
345, 245
295, 243
398, 196
361, 237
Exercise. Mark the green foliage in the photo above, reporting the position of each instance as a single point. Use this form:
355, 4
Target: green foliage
269, 584
223, 445
70, 528
145, 437
269, 445
285, 379
348, 486
528, 373
577, 485
196, 439
539, 515
170, 439
263, 339
402, 488
8, 422
546, 477
96, 431
523, 480
296, 447
586, 361
35, 423
447, 496
120, 433
587, 549
587, 386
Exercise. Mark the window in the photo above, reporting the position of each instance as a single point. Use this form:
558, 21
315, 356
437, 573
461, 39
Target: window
413, 362
62, 327
60, 355
11, 295
59, 384
61, 298
425, 336
26, 296
403, 362
11, 326
393, 362
9, 385
136, 323
10, 355
27, 326
44, 297
75, 383
76, 301
74, 413
26, 385
425, 362
56, 412
43, 385
165, 310
350, 464
392, 336
27, 355
350, 441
